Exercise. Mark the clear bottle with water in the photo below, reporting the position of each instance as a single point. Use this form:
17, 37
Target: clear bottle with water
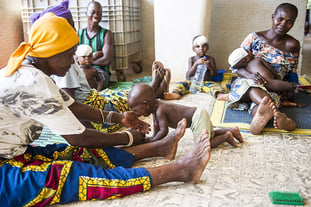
197, 79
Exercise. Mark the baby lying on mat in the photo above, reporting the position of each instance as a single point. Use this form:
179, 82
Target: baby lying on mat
143, 102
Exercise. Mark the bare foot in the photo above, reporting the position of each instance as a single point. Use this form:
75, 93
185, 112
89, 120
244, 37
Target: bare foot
171, 96
281, 121
167, 79
164, 85
193, 164
293, 104
236, 133
230, 139
222, 97
171, 140
263, 115
161, 78
158, 73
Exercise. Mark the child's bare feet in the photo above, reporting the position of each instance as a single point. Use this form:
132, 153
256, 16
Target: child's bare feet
171, 140
222, 97
167, 79
161, 78
263, 115
171, 96
281, 121
192, 165
230, 139
236, 133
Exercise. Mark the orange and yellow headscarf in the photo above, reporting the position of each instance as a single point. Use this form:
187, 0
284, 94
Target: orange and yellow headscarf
49, 36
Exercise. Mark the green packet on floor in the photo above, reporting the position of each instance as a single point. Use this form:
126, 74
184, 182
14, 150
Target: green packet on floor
287, 198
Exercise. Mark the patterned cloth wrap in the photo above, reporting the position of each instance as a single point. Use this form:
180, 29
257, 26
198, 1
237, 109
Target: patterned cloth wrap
281, 61
209, 87
60, 173
108, 100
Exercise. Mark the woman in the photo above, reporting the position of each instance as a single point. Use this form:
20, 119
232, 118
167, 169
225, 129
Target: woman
279, 49
39, 176
75, 83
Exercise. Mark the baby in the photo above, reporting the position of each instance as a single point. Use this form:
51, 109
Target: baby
84, 54
143, 102
264, 74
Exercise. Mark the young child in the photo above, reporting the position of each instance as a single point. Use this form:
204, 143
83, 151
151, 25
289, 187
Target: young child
143, 102
200, 47
84, 55
264, 74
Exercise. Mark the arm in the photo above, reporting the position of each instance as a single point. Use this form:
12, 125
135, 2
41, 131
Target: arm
161, 128
128, 119
100, 81
293, 46
211, 65
104, 57
192, 65
242, 72
93, 138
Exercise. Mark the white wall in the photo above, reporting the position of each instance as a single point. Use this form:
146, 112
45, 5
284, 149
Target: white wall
176, 23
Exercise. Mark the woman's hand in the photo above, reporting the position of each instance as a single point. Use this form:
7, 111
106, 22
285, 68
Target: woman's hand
258, 79
130, 119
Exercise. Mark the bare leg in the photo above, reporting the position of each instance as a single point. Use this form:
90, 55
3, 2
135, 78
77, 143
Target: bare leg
165, 147
281, 121
186, 169
263, 114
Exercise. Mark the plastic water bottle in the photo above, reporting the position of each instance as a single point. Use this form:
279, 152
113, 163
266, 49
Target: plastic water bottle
197, 79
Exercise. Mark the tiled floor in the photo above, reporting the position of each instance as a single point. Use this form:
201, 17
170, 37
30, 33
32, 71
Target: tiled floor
238, 177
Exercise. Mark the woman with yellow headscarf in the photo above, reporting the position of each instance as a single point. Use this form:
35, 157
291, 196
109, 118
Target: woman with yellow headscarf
90, 167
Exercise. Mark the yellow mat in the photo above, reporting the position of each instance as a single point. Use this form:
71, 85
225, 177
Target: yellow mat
225, 118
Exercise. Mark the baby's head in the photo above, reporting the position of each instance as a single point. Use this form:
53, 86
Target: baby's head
200, 45
239, 58
84, 54
141, 99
